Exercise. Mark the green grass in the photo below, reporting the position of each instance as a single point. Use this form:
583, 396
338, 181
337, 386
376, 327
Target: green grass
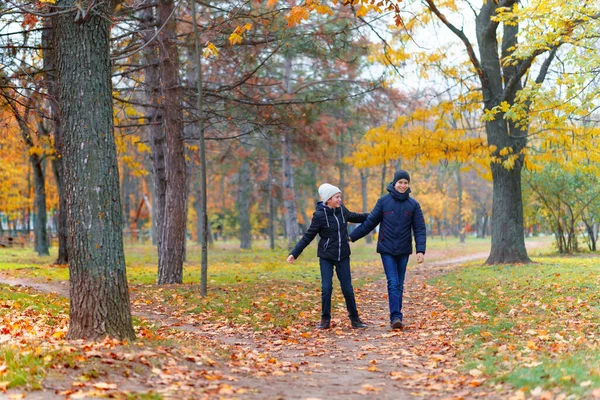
227, 263
530, 325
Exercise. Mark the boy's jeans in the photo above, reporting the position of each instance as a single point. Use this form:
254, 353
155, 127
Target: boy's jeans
342, 268
395, 270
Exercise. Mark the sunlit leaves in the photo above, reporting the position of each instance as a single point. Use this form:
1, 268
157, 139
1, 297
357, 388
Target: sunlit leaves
297, 15
210, 50
238, 34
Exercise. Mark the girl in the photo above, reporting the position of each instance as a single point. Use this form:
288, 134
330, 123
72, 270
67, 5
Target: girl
330, 221
399, 214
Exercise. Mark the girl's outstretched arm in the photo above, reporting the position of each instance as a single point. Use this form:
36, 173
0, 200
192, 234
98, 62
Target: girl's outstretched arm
315, 227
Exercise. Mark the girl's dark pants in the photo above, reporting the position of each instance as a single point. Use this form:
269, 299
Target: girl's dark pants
395, 271
342, 269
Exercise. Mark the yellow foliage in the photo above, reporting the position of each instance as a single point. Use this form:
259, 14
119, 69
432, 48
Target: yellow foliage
210, 50
297, 15
234, 38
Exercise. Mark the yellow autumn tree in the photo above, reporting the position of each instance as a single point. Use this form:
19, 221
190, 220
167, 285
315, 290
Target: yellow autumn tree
500, 66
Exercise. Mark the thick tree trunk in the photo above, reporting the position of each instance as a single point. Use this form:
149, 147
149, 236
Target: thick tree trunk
170, 268
243, 205
49, 55
508, 237
99, 295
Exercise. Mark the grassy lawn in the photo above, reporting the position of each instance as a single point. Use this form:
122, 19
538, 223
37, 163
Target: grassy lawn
228, 263
534, 326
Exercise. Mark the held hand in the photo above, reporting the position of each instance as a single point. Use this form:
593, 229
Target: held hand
291, 259
420, 258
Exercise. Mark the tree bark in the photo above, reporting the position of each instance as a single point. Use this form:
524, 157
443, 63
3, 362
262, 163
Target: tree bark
155, 129
500, 83
204, 235
39, 186
243, 204
99, 296
41, 216
342, 164
49, 55
459, 188
508, 238
271, 199
364, 179
292, 230
170, 268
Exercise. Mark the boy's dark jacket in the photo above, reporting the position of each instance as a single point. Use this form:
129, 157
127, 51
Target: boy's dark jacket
399, 214
332, 226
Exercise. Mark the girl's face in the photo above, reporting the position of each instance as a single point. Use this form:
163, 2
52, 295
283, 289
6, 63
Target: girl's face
335, 201
401, 185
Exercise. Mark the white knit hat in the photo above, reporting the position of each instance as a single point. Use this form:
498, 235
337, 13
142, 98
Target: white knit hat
327, 191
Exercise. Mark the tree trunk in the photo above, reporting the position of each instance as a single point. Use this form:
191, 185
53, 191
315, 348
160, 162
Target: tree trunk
289, 197
170, 268
243, 204
292, 230
41, 216
342, 164
39, 188
203, 216
99, 296
49, 55
271, 200
508, 237
364, 179
461, 229
155, 130
383, 173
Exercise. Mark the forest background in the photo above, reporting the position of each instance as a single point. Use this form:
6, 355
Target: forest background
163, 123
290, 95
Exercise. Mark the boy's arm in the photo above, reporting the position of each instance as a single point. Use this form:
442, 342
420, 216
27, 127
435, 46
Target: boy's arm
355, 217
307, 238
370, 223
419, 230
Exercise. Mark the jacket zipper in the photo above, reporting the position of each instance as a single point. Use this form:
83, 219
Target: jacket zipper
339, 237
326, 244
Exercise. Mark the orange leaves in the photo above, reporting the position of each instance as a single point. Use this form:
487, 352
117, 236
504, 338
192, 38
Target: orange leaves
297, 15
210, 50
29, 21
238, 34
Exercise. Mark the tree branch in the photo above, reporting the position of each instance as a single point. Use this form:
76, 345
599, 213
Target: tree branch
461, 35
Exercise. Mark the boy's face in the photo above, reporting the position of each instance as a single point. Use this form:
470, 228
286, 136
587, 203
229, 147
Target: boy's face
335, 201
401, 186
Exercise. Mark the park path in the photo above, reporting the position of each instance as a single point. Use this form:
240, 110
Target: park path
342, 363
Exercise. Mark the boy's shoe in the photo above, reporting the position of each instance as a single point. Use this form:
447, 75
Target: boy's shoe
397, 324
324, 324
357, 323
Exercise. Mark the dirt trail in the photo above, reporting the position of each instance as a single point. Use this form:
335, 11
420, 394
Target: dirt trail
343, 363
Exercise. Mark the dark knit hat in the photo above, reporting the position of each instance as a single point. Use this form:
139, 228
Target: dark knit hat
400, 174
